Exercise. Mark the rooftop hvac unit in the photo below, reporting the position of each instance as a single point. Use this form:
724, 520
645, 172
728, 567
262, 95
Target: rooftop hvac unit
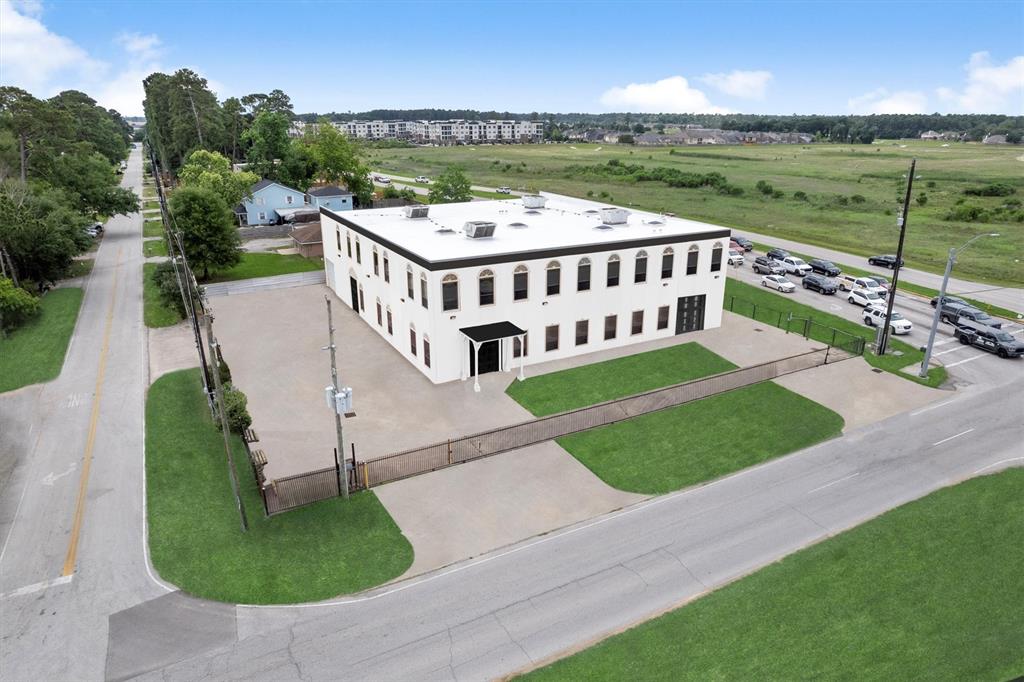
534, 201
416, 211
614, 216
479, 229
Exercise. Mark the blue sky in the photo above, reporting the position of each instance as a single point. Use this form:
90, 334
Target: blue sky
756, 57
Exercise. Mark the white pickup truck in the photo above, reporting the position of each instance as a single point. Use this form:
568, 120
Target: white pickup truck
852, 283
794, 266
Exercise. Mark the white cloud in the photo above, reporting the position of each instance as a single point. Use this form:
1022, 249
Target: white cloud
881, 101
745, 84
34, 58
989, 88
141, 46
670, 95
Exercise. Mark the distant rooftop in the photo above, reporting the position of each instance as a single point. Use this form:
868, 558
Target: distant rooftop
328, 191
564, 223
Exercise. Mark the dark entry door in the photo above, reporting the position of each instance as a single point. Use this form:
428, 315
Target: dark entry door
690, 313
490, 357
354, 288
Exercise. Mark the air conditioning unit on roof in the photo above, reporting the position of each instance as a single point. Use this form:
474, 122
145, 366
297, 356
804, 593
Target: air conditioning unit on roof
614, 216
479, 229
534, 201
417, 211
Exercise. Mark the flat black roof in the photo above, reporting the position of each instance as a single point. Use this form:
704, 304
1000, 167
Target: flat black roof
492, 331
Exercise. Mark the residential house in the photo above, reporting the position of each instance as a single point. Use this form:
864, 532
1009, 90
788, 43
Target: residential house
931, 135
308, 240
269, 203
331, 196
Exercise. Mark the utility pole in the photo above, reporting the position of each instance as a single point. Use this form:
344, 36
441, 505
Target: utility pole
884, 343
224, 419
334, 382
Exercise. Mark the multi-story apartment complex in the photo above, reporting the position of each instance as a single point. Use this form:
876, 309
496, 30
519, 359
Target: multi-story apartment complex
455, 131
462, 289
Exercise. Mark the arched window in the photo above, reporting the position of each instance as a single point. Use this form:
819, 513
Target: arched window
716, 257
387, 312
554, 278
348, 243
380, 314
640, 267
520, 283
408, 283
582, 275
613, 271
667, 258
412, 339
426, 350
691, 259
450, 292
376, 262
486, 280
387, 268
423, 290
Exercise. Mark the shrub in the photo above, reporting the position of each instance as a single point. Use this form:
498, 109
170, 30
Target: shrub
603, 194
993, 189
968, 213
800, 195
922, 199
235, 408
842, 200
858, 199
590, 192
764, 188
167, 285
730, 190
931, 183
778, 194
16, 305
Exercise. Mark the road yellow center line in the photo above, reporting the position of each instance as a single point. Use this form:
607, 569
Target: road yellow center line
90, 441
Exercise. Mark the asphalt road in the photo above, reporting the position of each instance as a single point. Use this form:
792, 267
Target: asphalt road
76, 472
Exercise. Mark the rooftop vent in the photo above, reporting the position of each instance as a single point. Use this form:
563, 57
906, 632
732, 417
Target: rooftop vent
479, 229
614, 216
532, 212
602, 227
417, 211
445, 230
590, 211
534, 201
517, 226
654, 221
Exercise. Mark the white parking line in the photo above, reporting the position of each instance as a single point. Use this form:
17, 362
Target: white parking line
951, 350
946, 440
960, 362
944, 342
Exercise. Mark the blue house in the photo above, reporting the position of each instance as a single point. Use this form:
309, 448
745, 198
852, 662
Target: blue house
269, 203
331, 196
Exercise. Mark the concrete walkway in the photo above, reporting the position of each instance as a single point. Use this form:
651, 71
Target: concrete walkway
170, 349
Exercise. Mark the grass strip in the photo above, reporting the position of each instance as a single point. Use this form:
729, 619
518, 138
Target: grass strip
154, 227
154, 247
930, 590
265, 265
316, 552
34, 352
154, 313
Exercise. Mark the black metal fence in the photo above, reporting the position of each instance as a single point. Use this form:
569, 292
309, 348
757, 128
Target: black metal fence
467, 448
805, 326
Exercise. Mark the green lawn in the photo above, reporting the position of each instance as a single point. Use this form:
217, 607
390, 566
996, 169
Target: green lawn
825, 172
154, 247
769, 304
151, 204
929, 591
265, 265
671, 449
34, 352
80, 267
154, 312
154, 227
589, 384
312, 553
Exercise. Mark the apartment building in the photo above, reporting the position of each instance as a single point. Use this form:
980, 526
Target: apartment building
464, 289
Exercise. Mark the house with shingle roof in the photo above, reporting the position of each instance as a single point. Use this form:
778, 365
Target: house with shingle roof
269, 203
330, 196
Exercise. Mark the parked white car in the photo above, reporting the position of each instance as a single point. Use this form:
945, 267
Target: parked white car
864, 298
795, 266
735, 257
874, 316
851, 283
422, 179
504, 189
779, 283
382, 179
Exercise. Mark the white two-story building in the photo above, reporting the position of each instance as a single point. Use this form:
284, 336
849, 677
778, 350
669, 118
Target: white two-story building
490, 286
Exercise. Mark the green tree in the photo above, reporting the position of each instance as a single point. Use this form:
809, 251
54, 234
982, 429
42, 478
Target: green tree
105, 131
338, 160
210, 170
208, 234
268, 142
16, 305
297, 168
235, 125
39, 128
91, 185
452, 186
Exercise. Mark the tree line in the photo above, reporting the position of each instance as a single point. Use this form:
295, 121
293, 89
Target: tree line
59, 162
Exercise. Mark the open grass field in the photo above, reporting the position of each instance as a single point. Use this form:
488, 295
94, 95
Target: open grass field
312, 553
594, 383
264, 265
931, 590
741, 298
824, 172
34, 352
154, 312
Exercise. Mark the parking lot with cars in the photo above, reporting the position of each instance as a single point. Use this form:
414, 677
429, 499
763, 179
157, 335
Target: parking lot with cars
970, 351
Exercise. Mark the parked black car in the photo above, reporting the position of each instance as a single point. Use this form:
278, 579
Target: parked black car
949, 299
886, 261
777, 254
763, 265
744, 242
819, 283
952, 313
993, 340
824, 267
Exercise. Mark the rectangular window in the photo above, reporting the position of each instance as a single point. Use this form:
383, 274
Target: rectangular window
663, 317
426, 352
380, 315
691, 262
640, 274
348, 243
376, 264
554, 281
390, 328
408, 285
449, 296
520, 348
423, 292
289, 199
611, 322
362, 301
716, 259
412, 341
337, 234
638, 322
359, 251
486, 290
582, 331
582, 277
263, 216
387, 269
551, 337
666, 266
520, 286
613, 273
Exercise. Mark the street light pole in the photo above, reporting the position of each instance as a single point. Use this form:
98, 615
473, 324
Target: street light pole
337, 413
953, 253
